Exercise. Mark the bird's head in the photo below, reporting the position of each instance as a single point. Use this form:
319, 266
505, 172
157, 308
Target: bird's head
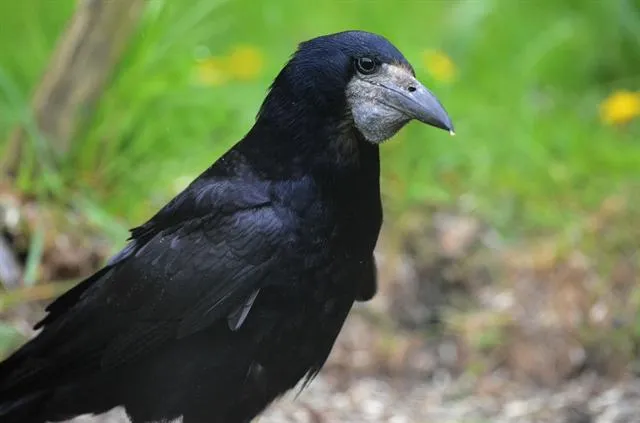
353, 78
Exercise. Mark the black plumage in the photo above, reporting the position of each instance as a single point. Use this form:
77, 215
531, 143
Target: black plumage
236, 289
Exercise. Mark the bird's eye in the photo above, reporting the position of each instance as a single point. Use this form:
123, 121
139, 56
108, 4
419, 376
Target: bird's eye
366, 65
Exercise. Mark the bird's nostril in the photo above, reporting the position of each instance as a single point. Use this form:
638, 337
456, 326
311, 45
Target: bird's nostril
411, 88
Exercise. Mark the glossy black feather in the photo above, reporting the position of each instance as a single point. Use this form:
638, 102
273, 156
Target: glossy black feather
282, 227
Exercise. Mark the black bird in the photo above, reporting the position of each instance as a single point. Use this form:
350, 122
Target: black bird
236, 289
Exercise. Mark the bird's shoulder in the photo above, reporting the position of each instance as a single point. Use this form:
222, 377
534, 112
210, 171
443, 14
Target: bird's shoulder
216, 193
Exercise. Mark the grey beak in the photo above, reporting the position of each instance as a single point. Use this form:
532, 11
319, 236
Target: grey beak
417, 102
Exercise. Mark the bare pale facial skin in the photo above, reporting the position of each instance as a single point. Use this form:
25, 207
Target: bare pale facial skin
383, 102
372, 115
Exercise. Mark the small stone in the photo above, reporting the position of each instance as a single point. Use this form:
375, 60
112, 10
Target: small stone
516, 409
578, 414
373, 408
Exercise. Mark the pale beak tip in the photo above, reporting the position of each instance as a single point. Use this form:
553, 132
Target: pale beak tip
452, 132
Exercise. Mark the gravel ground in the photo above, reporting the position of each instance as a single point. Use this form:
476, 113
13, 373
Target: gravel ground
583, 400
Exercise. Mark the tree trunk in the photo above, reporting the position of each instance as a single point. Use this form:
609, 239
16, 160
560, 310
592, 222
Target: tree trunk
81, 65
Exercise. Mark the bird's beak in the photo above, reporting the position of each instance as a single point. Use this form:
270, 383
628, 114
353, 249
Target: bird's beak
403, 92
420, 104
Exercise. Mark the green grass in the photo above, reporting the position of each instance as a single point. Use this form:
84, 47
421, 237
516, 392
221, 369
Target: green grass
530, 154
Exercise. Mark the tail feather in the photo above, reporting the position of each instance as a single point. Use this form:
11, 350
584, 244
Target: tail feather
22, 373
26, 390
26, 409
16, 404
54, 404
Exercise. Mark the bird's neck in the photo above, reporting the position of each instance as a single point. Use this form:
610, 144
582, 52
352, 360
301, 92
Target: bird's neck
343, 166
309, 143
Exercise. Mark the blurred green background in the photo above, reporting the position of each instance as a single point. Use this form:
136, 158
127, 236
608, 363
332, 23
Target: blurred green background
544, 95
523, 80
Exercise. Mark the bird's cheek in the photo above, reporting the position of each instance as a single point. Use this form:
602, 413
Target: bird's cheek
376, 122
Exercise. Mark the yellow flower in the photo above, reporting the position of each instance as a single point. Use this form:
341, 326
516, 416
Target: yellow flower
212, 71
242, 63
620, 107
245, 62
439, 65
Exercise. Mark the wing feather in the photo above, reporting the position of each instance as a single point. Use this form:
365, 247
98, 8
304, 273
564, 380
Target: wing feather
175, 278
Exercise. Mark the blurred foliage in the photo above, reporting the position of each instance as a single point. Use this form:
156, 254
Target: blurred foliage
9, 337
522, 80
